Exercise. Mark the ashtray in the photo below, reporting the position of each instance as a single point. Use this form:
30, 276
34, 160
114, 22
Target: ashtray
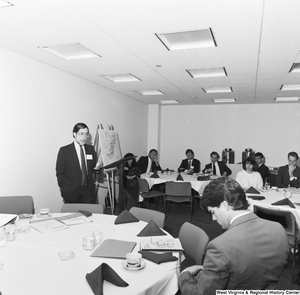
66, 255
44, 215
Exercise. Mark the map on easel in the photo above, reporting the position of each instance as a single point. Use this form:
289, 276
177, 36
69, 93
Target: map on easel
110, 146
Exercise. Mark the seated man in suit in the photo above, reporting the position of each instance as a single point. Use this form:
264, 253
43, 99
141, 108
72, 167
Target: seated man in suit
289, 175
216, 167
250, 254
190, 165
261, 167
149, 163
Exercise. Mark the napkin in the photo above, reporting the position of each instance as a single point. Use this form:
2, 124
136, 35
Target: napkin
151, 229
284, 202
126, 217
179, 177
103, 272
256, 197
85, 213
252, 190
154, 175
158, 258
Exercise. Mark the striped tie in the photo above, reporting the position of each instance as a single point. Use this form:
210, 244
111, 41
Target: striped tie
83, 168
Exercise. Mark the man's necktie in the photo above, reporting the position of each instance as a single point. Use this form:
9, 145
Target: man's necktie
189, 165
153, 166
83, 167
214, 169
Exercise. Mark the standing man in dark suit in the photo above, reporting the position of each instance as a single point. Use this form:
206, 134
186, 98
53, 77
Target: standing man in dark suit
74, 168
289, 175
149, 163
216, 167
261, 167
190, 165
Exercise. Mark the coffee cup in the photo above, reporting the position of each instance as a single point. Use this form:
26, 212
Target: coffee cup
44, 211
133, 259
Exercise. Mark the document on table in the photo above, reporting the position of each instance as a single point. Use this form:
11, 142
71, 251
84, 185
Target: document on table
47, 225
7, 218
72, 219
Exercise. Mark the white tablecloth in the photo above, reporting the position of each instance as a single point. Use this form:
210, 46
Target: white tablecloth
272, 196
197, 185
32, 266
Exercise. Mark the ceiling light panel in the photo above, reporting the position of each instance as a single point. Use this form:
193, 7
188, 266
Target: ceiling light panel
4, 3
118, 78
188, 39
223, 100
207, 73
285, 99
70, 51
171, 101
217, 90
295, 68
290, 87
150, 92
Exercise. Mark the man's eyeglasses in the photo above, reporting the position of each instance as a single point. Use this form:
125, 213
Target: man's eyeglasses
163, 243
83, 134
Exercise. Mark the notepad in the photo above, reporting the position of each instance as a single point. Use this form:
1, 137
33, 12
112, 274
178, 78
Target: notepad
111, 248
161, 244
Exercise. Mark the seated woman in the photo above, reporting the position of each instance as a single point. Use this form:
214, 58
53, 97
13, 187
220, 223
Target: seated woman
248, 177
131, 174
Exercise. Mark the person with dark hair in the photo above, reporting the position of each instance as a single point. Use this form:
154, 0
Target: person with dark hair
260, 167
149, 163
190, 164
216, 167
250, 254
289, 175
131, 175
75, 166
247, 177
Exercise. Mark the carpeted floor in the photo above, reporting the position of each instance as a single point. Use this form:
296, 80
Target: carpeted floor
181, 213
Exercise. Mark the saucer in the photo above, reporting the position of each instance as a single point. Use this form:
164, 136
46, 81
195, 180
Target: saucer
125, 265
44, 215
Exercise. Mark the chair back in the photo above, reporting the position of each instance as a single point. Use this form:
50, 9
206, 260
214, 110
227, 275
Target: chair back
73, 207
181, 189
16, 205
285, 218
147, 215
194, 241
143, 185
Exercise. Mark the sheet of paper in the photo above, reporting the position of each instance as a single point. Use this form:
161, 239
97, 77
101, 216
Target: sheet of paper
72, 219
6, 218
47, 225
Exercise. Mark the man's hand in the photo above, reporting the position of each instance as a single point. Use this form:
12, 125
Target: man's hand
292, 167
194, 270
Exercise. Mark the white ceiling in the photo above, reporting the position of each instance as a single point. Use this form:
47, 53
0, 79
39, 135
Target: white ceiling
257, 42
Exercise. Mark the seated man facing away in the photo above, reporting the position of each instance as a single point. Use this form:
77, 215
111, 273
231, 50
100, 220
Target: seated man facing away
289, 175
189, 165
251, 254
216, 167
261, 168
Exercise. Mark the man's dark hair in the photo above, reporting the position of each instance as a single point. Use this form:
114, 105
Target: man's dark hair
248, 160
224, 189
293, 154
79, 126
258, 154
152, 150
214, 153
189, 151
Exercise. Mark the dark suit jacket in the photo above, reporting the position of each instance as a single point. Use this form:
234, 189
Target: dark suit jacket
264, 172
251, 254
222, 166
142, 163
283, 177
185, 164
68, 171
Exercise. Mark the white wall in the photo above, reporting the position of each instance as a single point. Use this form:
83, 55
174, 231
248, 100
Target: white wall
39, 107
269, 128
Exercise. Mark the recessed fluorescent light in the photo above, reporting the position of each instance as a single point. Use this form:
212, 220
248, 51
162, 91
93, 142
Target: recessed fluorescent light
171, 101
150, 92
295, 68
217, 89
4, 3
188, 40
287, 99
70, 51
121, 78
223, 100
205, 73
290, 87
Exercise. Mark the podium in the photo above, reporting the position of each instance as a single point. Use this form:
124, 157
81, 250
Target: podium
120, 165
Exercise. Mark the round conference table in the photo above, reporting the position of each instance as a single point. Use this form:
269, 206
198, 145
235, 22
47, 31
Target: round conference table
32, 266
197, 185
